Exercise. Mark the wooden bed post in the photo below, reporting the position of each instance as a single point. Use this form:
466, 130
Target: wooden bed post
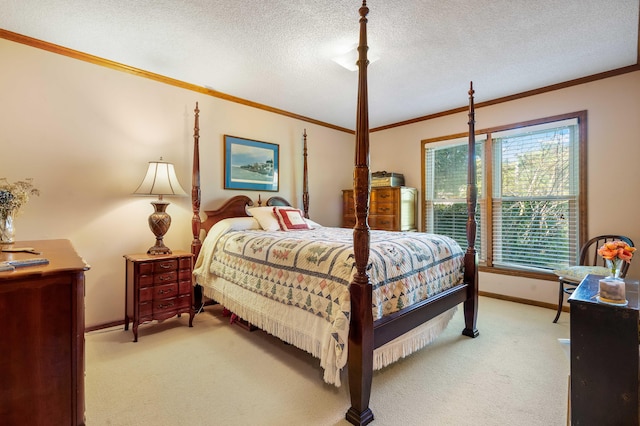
360, 355
305, 179
196, 244
470, 257
196, 223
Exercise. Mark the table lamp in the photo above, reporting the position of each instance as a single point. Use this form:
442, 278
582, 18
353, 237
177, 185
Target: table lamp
160, 180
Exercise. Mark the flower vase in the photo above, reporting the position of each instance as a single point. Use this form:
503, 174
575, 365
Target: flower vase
614, 267
612, 288
7, 231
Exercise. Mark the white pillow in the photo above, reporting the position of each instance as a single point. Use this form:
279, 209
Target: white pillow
290, 219
312, 224
265, 217
241, 223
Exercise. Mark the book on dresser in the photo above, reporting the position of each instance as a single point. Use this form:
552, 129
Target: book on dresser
391, 208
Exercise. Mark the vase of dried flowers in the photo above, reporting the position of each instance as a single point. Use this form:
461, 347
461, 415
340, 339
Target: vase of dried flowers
7, 232
12, 197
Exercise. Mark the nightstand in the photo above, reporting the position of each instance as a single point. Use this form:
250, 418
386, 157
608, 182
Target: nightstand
158, 287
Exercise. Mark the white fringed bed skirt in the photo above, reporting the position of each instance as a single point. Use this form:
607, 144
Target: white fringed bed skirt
312, 333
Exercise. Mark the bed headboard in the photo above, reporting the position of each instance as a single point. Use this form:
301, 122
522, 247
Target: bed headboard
235, 206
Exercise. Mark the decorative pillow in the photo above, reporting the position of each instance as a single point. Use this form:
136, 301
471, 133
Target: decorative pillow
265, 217
290, 219
577, 273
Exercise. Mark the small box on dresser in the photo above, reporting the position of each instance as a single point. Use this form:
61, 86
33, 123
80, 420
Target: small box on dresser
158, 287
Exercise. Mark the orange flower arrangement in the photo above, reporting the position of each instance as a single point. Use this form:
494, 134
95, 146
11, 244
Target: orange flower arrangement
615, 252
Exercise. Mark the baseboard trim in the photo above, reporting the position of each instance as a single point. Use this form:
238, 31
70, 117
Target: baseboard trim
103, 326
523, 301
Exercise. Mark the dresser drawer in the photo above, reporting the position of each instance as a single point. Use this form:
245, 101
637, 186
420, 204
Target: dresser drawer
348, 222
385, 195
348, 205
383, 208
383, 222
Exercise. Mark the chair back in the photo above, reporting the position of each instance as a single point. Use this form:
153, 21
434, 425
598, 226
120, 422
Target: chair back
589, 252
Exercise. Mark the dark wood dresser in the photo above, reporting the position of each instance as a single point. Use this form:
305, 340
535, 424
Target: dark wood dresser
158, 287
604, 357
42, 337
391, 208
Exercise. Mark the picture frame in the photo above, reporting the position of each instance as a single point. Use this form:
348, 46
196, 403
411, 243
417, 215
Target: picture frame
250, 164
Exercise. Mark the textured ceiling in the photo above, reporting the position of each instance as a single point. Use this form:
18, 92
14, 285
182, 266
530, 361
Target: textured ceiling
278, 52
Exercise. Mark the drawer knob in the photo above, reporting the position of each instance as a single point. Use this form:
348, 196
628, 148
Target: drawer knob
165, 291
165, 265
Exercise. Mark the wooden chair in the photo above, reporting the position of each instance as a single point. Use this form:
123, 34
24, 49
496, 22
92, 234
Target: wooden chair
589, 263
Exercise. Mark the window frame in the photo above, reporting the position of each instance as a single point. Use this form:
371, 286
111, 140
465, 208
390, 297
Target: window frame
487, 184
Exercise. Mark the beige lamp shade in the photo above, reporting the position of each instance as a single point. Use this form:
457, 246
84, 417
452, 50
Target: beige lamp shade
160, 180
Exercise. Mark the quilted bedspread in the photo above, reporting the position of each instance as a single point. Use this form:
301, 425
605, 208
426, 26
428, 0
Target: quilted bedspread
312, 269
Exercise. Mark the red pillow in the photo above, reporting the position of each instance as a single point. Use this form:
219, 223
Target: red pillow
290, 219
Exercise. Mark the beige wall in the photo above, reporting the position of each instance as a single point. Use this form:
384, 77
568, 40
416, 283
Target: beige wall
613, 107
85, 133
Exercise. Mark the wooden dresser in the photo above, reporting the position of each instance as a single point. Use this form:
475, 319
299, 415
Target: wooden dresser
604, 357
391, 208
42, 337
158, 287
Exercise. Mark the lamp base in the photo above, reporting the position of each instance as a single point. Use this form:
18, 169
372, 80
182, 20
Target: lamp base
159, 248
159, 222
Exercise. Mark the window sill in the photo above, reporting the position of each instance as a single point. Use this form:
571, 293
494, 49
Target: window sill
518, 273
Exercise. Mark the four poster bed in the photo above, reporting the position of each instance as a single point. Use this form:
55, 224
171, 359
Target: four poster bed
362, 300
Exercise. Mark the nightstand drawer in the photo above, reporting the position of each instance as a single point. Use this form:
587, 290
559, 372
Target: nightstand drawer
172, 304
165, 291
167, 277
165, 265
185, 263
145, 268
185, 275
145, 280
184, 287
146, 310
146, 294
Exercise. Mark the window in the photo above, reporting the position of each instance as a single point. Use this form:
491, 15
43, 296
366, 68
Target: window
446, 189
533, 220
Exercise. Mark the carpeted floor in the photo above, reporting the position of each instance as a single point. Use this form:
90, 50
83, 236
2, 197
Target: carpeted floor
514, 373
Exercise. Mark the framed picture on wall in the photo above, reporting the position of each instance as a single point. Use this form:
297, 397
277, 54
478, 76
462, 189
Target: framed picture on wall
249, 164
